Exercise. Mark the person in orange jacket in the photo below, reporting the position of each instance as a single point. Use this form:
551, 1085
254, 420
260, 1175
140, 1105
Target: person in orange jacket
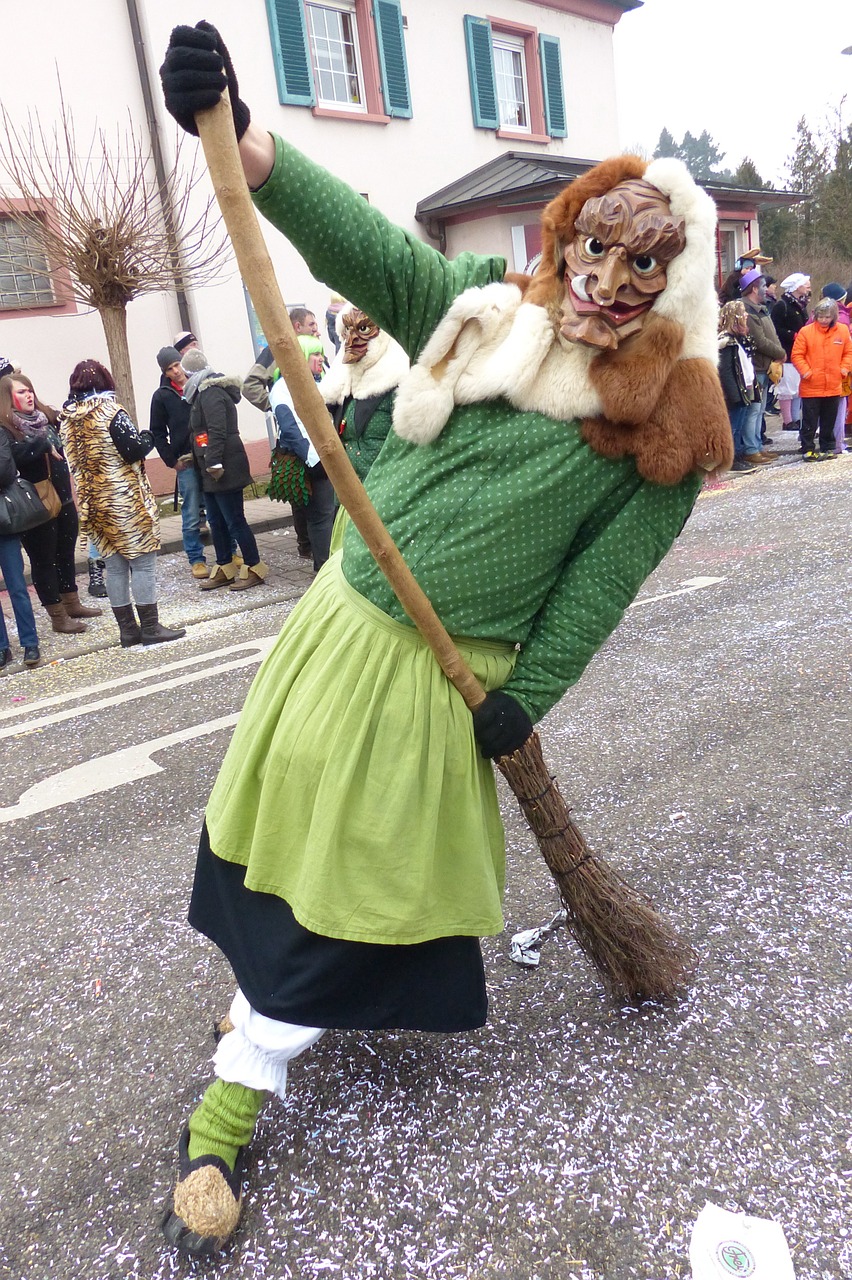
822, 353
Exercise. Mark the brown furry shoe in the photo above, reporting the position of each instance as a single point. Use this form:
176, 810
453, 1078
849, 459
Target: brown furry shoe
206, 1203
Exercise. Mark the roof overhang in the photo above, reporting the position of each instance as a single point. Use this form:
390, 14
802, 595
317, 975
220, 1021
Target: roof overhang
518, 178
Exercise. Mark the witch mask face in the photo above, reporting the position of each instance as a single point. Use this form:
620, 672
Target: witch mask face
358, 332
615, 265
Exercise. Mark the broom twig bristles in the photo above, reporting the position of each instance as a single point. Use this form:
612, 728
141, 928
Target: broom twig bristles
638, 955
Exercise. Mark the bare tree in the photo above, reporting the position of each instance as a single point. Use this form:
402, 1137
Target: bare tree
100, 214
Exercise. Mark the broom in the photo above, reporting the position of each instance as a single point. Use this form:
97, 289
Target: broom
637, 954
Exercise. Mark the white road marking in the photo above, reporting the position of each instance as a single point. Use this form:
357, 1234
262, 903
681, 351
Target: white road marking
93, 777
261, 645
258, 650
103, 773
689, 585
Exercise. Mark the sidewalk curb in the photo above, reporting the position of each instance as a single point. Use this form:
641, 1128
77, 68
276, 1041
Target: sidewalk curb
173, 542
82, 649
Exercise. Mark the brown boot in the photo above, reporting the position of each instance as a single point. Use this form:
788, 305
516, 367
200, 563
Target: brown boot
75, 608
222, 576
60, 621
152, 631
250, 576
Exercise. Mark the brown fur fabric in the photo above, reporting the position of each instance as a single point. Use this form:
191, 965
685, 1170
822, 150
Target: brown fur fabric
558, 218
689, 428
630, 380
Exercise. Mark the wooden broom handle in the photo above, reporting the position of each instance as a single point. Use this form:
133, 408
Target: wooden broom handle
216, 131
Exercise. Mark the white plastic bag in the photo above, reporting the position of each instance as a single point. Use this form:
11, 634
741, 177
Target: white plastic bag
725, 1246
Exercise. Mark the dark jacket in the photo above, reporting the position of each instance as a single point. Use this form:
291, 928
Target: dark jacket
215, 435
169, 422
788, 317
35, 462
731, 370
8, 470
762, 333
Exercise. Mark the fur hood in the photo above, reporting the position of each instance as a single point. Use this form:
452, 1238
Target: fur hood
207, 379
381, 369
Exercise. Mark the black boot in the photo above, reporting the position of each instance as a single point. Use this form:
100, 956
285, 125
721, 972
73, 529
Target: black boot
96, 586
129, 630
152, 632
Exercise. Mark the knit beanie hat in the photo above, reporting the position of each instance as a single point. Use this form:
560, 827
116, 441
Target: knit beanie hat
193, 361
183, 340
6, 366
834, 291
167, 356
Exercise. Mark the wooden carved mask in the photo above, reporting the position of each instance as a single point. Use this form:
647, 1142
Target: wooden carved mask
615, 265
358, 332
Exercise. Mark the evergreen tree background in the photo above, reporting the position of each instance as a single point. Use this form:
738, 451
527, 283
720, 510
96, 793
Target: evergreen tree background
813, 235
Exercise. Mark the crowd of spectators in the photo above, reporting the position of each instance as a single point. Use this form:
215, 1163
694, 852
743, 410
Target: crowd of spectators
773, 346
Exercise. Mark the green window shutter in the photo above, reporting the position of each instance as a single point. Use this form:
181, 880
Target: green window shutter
551, 77
480, 67
290, 49
391, 42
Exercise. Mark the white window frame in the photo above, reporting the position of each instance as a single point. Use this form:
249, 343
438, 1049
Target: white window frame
37, 282
334, 104
515, 45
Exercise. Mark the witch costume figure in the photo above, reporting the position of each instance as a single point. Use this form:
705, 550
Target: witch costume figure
548, 444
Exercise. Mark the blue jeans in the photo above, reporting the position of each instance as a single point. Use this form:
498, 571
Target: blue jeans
227, 519
189, 487
753, 420
12, 568
737, 416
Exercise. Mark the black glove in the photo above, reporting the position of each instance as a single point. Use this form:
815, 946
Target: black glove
196, 69
500, 725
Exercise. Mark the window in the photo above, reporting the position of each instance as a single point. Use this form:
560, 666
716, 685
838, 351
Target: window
336, 63
341, 57
727, 249
511, 80
23, 282
515, 79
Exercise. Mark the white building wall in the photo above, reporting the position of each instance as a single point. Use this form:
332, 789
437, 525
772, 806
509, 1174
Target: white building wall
395, 164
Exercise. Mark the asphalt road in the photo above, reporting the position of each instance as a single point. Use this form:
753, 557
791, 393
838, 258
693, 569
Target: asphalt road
706, 752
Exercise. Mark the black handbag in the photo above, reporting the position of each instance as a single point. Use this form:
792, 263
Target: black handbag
20, 508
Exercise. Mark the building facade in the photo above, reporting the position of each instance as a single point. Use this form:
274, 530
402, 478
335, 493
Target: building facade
398, 97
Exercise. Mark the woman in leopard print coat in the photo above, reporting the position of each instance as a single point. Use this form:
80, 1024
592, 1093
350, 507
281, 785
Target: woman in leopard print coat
117, 507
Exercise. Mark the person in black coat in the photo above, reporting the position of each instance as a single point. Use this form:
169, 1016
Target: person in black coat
38, 454
736, 374
12, 570
169, 425
223, 467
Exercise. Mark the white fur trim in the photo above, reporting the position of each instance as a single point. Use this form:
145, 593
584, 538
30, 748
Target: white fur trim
689, 296
490, 345
381, 368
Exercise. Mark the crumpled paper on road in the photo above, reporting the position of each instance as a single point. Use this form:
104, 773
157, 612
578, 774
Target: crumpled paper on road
727, 1245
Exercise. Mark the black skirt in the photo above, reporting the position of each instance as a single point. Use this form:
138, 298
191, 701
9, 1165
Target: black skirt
288, 973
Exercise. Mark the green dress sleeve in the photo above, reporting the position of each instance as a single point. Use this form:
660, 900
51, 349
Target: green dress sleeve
402, 283
612, 556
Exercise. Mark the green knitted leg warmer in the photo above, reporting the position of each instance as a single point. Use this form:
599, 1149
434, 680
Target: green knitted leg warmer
224, 1121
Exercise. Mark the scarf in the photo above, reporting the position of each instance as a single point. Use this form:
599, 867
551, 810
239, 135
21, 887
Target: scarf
28, 426
193, 382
